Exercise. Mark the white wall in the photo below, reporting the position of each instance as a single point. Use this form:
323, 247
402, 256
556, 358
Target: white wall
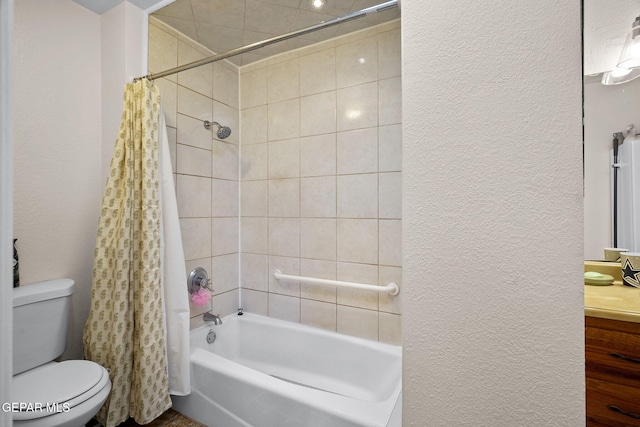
71, 66
6, 204
124, 56
57, 122
493, 314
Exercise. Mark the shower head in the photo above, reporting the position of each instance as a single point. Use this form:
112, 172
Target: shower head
223, 131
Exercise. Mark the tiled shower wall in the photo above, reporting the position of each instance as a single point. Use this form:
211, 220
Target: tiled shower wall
321, 182
205, 168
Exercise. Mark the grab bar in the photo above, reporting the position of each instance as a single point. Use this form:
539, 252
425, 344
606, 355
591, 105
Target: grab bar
390, 288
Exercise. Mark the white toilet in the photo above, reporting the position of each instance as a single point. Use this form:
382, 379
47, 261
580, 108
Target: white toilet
47, 393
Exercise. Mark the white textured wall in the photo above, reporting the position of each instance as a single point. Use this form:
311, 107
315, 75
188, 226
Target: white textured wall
6, 203
493, 314
57, 123
123, 54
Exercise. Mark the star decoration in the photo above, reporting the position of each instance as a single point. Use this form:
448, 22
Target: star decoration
630, 275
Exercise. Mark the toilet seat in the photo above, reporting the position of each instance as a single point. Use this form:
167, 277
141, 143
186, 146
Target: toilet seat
60, 385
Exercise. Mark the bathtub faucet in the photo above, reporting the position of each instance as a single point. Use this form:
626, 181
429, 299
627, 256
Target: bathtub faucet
210, 317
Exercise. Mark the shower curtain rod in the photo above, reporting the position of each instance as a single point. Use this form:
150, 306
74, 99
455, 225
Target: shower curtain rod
248, 48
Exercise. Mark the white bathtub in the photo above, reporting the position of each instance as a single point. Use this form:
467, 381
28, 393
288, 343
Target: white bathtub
265, 372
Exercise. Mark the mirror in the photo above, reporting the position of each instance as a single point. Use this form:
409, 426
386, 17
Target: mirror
607, 109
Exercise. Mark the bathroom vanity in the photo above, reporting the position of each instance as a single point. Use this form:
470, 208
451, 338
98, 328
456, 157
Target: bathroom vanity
612, 354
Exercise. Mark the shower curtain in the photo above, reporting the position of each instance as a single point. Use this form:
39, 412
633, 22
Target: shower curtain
125, 331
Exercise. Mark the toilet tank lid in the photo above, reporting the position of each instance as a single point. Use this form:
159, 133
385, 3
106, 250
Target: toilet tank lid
42, 291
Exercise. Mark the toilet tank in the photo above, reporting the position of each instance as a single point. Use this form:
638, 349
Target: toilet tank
40, 322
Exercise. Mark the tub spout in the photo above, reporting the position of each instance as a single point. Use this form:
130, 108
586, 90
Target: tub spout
210, 317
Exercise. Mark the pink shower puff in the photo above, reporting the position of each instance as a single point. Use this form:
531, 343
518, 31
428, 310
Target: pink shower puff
201, 297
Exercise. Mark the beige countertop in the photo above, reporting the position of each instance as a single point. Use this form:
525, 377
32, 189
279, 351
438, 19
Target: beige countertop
615, 302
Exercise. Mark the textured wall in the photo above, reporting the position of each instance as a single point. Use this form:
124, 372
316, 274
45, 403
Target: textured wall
492, 166
57, 141
124, 56
6, 202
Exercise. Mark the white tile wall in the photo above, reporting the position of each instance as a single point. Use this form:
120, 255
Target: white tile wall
318, 114
253, 163
199, 79
284, 307
317, 72
284, 197
318, 197
283, 119
318, 155
193, 161
189, 132
255, 268
254, 198
358, 196
283, 81
254, 88
390, 96
255, 235
224, 160
357, 151
284, 236
255, 301
358, 107
323, 270
206, 169
321, 180
225, 84
318, 238
284, 158
190, 188
357, 322
254, 125
194, 104
288, 265
357, 62
318, 314
320, 169
390, 195
390, 148
163, 51
169, 100
358, 240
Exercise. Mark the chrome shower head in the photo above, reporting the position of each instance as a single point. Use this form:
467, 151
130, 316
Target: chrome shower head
223, 131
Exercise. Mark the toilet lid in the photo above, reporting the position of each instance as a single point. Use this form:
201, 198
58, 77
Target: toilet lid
56, 386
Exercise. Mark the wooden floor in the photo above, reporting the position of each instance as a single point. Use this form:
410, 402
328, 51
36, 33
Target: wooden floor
170, 418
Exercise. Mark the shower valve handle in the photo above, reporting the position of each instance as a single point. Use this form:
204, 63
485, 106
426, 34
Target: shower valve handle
198, 279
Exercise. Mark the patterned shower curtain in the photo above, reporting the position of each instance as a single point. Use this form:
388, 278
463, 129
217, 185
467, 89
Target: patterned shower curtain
125, 329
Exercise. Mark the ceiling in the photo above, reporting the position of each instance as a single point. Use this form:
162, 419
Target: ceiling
222, 25
102, 6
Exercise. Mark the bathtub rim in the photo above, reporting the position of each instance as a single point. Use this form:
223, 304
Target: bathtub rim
369, 413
